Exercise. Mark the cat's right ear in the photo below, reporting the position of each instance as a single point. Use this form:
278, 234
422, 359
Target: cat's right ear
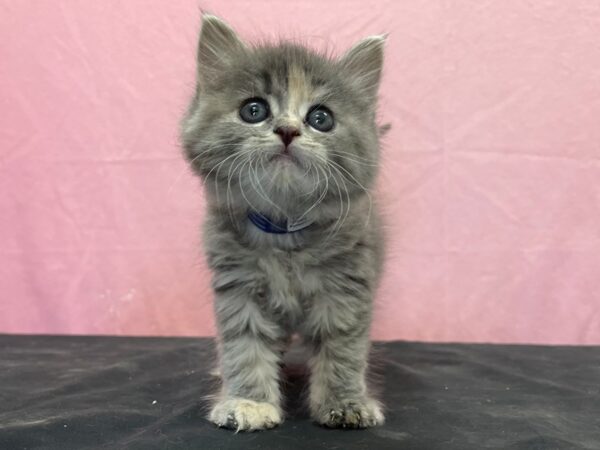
218, 47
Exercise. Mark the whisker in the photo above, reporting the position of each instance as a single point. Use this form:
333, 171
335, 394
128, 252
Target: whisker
347, 157
229, 197
219, 167
357, 183
335, 229
188, 165
243, 192
319, 200
348, 204
259, 189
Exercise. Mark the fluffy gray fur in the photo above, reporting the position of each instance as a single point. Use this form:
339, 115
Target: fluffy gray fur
317, 283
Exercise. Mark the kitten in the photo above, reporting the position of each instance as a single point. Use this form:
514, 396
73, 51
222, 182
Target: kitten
286, 142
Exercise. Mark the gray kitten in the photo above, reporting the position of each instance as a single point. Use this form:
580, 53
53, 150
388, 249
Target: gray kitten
286, 142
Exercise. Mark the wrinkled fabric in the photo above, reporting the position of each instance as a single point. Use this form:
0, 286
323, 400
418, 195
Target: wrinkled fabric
150, 393
489, 184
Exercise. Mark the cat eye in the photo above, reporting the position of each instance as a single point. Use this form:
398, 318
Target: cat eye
320, 118
254, 110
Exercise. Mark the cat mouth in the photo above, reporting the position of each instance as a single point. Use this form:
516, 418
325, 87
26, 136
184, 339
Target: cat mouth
285, 156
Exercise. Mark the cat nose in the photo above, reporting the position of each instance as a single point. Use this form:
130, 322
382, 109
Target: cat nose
287, 134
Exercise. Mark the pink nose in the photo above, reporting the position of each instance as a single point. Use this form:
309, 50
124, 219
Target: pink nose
287, 134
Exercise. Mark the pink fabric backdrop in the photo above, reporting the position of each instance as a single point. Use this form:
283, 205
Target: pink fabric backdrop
491, 180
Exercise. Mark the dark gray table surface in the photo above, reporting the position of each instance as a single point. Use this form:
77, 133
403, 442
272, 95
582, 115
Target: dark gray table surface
76, 392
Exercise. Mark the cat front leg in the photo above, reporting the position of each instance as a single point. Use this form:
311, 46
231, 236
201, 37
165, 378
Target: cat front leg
250, 349
338, 330
339, 397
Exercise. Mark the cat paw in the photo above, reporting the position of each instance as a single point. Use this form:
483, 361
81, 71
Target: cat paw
240, 414
351, 414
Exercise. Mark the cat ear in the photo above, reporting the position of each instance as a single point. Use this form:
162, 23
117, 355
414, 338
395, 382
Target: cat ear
217, 48
363, 64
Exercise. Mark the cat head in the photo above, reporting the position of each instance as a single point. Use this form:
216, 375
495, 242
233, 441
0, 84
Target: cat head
280, 128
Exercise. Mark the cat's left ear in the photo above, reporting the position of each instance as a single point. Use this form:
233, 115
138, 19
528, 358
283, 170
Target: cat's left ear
363, 64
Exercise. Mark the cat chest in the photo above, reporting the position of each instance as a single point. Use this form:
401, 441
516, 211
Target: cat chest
291, 284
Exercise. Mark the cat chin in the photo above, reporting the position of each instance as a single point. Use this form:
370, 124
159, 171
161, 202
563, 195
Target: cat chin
292, 180
285, 171
284, 160
285, 189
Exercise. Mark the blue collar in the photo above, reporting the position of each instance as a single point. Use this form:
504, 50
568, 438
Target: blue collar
270, 226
